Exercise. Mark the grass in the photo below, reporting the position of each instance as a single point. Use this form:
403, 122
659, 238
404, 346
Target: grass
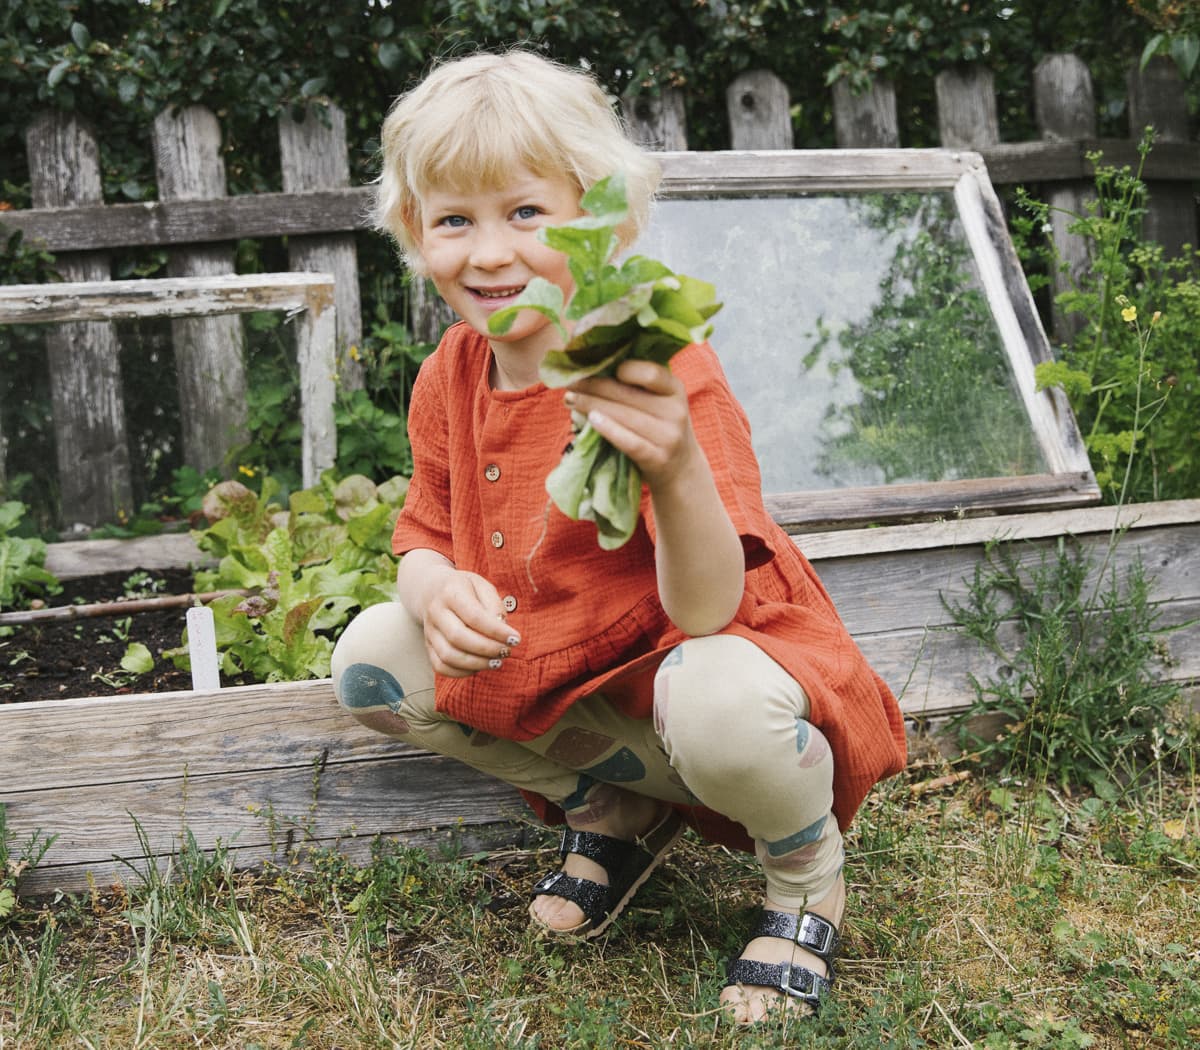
981, 914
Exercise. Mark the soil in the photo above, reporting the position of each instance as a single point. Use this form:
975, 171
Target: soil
82, 657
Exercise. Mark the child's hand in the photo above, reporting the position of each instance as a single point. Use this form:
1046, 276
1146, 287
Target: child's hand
643, 412
464, 624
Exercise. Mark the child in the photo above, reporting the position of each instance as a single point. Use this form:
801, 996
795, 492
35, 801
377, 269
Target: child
699, 673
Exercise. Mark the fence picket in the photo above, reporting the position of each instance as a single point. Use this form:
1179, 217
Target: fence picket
84, 358
865, 119
758, 107
657, 122
1156, 97
313, 157
966, 105
209, 351
1065, 108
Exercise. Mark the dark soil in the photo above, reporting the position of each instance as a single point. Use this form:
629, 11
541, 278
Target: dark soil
82, 657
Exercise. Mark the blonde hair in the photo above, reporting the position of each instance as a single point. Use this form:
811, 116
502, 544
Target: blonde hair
474, 122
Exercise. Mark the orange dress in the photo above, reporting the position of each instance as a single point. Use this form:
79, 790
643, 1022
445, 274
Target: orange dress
590, 620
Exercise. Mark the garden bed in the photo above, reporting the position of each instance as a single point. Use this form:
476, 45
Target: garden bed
265, 769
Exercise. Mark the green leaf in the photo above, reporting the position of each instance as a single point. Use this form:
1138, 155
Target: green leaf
390, 55
127, 89
81, 36
8, 902
55, 76
541, 295
1185, 50
1151, 49
137, 659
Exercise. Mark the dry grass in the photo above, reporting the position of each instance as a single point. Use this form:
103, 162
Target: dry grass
979, 917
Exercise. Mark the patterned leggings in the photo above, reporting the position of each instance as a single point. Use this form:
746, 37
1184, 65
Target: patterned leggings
729, 731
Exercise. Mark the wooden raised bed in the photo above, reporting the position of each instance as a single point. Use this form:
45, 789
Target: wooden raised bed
264, 770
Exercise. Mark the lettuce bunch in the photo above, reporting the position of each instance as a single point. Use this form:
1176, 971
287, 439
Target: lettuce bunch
638, 310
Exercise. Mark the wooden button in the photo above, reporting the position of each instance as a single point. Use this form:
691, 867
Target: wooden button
497, 539
509, 603
492, 473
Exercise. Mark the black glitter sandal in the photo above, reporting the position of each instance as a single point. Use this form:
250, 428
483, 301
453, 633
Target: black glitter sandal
808, 931
628, 864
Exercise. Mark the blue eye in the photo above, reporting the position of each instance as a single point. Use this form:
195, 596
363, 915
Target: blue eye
527, 211
453, 221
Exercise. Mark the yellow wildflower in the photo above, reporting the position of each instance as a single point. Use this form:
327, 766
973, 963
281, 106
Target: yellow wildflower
1129, 313
248, 471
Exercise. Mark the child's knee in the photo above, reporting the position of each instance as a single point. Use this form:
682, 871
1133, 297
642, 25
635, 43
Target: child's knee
379, 665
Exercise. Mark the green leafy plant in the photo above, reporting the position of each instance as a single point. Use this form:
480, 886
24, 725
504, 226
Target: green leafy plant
1136, 357
640, 310
22, 560
372, 430
1078, 649
306, 567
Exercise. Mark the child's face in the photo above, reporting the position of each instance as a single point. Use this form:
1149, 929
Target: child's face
482, 249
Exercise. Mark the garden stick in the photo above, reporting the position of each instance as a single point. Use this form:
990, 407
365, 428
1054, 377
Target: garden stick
202, 648
120, 608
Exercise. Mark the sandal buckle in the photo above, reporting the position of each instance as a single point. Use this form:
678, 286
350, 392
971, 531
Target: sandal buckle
816, 934
799, 982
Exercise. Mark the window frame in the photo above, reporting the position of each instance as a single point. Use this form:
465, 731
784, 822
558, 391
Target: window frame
1069, 480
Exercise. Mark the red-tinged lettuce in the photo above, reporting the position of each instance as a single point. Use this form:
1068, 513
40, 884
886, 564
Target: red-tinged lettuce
638, 310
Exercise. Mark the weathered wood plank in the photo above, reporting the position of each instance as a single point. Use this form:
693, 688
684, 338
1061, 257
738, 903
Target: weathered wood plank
175, 222
865, 119
156, 736
1157, 99
310, 294
167, 296
849, 506
966, 104
330, 211
457, 840
312, 157
73, 559
958, 531
210, 368
265, 811
657, 122
929, 668
1065, 108
88, 406
882, 592
759, 111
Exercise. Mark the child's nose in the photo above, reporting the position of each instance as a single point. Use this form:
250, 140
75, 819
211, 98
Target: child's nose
491, 248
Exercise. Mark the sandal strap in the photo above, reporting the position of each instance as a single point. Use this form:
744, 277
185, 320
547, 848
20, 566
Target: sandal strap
796, 982
592, 898
809, 931
611, 854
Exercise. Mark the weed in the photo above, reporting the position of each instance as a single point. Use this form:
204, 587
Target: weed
1077, 689
16, 862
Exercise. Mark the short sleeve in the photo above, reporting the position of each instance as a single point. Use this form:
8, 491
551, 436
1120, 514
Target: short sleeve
723, 431
424, 520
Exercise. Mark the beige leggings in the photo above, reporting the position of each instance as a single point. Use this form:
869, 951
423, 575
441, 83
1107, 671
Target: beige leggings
729, 731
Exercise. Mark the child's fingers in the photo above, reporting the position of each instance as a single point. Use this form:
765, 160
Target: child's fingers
464, 628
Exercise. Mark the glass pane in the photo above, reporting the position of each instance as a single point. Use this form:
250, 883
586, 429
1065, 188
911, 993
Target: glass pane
857, 335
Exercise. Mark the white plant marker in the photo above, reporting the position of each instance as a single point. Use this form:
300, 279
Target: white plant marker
202, 649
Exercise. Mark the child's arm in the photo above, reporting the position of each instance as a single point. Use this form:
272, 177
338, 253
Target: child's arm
460, 611
699, 556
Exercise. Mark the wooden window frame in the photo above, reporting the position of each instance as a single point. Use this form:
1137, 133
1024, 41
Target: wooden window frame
307, 296
1069, 480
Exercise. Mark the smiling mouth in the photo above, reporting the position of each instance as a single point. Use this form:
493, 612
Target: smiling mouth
498, 293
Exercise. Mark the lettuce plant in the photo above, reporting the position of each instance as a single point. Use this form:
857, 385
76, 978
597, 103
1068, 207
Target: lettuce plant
306, 568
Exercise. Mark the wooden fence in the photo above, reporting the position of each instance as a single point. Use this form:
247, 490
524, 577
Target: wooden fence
319, 212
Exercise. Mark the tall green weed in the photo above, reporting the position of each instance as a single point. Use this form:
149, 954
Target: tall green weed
1116, 378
